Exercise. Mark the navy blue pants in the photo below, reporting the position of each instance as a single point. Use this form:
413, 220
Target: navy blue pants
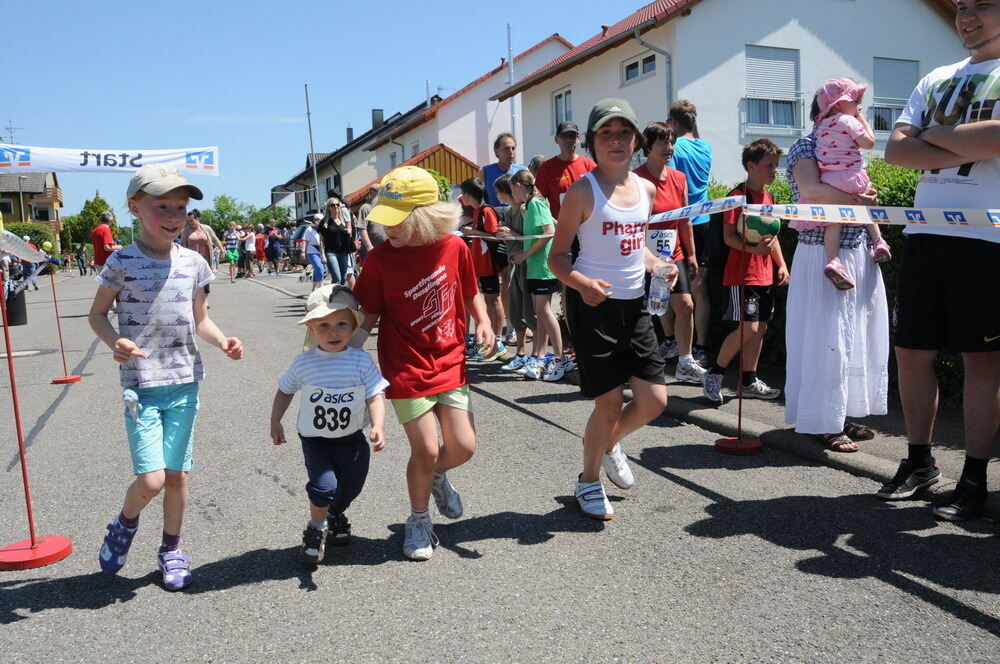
337, 469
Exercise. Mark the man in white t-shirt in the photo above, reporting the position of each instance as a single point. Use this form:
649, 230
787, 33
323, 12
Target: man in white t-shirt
948, 283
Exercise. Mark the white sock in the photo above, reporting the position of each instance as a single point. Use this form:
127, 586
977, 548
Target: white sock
420, 514
685, 360
318, 525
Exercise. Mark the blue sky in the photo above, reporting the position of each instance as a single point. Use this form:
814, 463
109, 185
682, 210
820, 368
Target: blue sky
132, 75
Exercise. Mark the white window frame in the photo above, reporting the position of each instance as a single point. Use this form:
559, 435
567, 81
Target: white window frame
414, 148
773, 91
639, 61
559, 100
893, 79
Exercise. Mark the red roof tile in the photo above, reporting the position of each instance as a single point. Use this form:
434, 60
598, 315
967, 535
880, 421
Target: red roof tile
357, 196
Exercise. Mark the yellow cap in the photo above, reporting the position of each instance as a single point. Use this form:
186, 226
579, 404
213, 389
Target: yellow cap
401, 190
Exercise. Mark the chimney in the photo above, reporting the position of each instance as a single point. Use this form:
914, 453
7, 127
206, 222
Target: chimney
604, 30
377, 118
350, 133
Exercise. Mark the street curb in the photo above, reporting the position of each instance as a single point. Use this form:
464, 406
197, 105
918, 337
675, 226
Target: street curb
805, 447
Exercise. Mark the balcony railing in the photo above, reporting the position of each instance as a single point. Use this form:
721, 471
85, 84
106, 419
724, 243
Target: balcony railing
49, 195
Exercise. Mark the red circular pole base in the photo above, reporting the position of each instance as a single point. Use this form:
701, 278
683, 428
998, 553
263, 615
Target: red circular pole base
46, 551
732, 445
62, 380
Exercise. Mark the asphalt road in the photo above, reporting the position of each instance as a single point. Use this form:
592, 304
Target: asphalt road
710, 558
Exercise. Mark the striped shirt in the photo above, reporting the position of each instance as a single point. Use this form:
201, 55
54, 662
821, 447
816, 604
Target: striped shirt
349, 367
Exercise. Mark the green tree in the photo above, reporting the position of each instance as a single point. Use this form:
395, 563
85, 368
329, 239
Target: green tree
90, 215
265, 215
224, 210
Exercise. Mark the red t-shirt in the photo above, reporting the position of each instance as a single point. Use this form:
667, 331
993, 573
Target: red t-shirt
419, 292
556, 175
759, 270
484, 219
671, 193
100, 236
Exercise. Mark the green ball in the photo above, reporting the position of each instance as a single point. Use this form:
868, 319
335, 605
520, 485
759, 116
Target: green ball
47, 246
753, 228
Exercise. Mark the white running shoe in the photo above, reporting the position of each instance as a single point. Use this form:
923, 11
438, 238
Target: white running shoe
615, 465
448, 502
555, 370
528, 361
760, 390
692, 372
712, 387
593, 501
537, 368
515, 363
420, 540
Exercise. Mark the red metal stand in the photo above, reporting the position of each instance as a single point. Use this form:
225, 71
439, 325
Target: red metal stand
740, 444
36, 551
67, 377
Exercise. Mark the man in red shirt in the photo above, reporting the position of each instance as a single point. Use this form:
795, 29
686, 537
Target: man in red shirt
752, 267
103, 241
557, 174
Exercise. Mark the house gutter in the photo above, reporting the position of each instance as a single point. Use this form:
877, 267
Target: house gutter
666, 56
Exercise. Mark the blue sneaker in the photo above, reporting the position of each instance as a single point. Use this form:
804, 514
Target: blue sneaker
176, 568
114, 551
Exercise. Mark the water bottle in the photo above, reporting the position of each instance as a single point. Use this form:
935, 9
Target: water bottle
659, 289
131, 400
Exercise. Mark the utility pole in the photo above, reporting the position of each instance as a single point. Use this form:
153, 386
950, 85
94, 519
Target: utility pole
312, 152
510, 82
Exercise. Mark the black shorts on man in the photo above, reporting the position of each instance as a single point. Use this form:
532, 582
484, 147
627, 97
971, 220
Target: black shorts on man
543, 286
489, 285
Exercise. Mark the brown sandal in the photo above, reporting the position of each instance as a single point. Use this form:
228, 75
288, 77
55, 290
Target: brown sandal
837, 442
858, 432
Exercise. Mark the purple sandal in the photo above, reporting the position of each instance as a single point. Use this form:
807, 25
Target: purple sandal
881, 253
176, 568
836, 273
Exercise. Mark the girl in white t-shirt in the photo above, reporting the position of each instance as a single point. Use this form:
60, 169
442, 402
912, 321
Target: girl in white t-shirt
613, 333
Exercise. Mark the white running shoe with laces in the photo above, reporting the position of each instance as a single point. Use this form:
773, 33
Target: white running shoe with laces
420, 540
712, 387
555, 370
692, 372
537, 368
760, 390
515, 363
448, 501
593, 501
615, 465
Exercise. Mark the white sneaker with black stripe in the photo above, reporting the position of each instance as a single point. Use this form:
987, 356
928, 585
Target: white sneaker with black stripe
593, 501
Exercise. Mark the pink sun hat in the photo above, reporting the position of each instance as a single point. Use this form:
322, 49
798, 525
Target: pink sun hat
835, 91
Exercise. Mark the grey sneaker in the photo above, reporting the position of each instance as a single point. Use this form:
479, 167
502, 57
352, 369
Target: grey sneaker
759, 390
593, 501
691, 372
908, 480
712, 387
448, 502
668, 349
615, 465
700, 356
420, 540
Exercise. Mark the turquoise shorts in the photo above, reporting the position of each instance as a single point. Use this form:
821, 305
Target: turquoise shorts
411, 409
163, 435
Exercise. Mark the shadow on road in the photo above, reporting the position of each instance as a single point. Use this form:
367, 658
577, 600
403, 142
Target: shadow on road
85, 591
855, 536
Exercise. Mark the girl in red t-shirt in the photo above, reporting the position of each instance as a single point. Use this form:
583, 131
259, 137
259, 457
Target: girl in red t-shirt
418, 285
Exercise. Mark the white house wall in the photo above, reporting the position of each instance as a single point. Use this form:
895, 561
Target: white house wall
707, 51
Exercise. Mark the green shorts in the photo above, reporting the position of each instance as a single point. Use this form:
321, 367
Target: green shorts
232, 255
411, 409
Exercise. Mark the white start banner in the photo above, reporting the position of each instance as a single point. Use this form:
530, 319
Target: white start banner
24, 158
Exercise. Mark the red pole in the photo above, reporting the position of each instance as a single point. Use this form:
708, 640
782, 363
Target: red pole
55, 301
17, 412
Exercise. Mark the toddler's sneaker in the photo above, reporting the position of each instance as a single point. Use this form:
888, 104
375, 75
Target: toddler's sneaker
593, 501
313, 545
515, 363
114, 551
615, 465
837, 274
759, 390
338, 529
712, 387
176, 569
692, 372
420, 540
448, 502
881, 253
555, 370
668, 349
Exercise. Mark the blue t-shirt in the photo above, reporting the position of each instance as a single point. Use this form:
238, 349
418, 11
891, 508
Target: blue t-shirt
693, 158
491, 172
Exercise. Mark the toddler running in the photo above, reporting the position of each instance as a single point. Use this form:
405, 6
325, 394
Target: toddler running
338, 382
162, 304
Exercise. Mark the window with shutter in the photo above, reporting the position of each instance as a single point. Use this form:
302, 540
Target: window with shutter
894, 81
773, 94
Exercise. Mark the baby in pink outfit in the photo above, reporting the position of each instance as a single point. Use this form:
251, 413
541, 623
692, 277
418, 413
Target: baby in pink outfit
841, 133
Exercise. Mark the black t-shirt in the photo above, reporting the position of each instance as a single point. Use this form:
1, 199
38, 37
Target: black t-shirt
336, 239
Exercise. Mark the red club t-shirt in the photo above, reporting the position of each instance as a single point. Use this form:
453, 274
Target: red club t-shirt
759, 270
671, 193
419, 292
486, 220
556, 175
100, 236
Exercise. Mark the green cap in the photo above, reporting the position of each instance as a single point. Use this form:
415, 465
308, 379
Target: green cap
608, 109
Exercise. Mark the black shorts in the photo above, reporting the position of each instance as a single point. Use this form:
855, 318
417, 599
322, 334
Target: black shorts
681, 286
489, 285
614, 341
946, 295
543, 286
759, 304
700, 233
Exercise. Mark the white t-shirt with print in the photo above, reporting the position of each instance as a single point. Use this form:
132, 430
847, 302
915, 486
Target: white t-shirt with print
951, 95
